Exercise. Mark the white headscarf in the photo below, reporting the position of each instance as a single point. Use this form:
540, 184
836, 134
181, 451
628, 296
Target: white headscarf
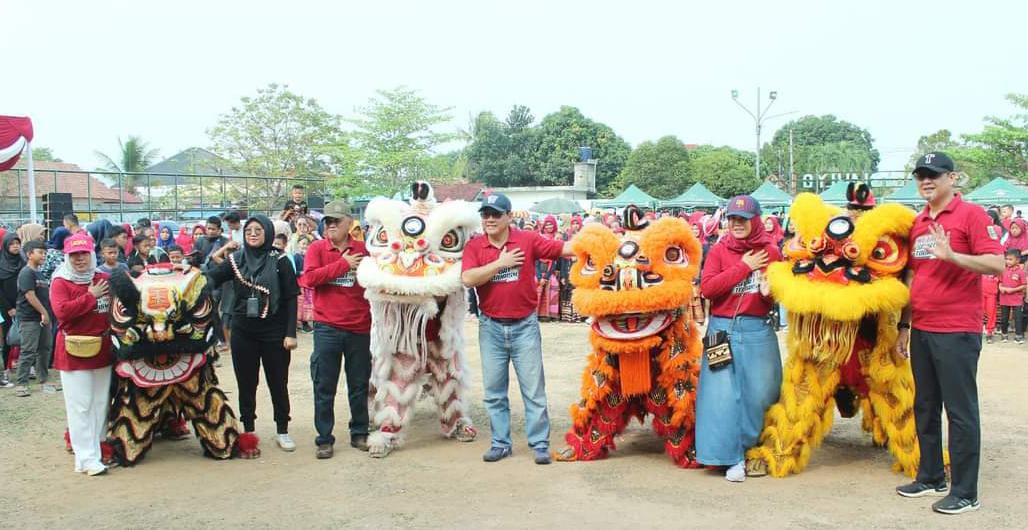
67, 272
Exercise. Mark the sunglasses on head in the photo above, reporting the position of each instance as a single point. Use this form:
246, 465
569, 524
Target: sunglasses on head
490, 214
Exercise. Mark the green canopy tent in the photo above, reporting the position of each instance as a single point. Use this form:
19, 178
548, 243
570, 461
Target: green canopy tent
697, 196
836, 193
907, 195
999, 191
771, 196
556, 205
631, 195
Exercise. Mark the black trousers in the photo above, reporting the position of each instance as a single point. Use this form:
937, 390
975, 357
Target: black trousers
945, 366
247, 356
331, 347
1011, 315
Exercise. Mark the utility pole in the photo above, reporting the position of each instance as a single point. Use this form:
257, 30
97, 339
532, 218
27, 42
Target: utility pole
759, 118
792, 174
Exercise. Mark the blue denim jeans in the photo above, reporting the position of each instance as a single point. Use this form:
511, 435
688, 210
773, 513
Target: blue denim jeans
731, 401
519, 343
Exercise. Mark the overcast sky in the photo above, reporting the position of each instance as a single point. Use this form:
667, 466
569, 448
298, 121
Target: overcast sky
88, 72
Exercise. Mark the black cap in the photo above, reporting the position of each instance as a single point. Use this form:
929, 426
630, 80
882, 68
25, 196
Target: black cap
935, 163
496, 201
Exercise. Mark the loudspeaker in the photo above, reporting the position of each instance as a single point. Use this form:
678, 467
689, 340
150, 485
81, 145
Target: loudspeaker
315, 202
55, 207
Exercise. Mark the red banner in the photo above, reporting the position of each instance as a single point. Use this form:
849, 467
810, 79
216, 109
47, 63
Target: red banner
15, 134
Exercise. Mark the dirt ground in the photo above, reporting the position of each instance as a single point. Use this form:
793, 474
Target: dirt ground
433, 482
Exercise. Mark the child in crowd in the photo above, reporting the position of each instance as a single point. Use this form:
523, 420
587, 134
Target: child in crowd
145, 254
176, 255
110, 253
33, 310
990, 297
1011, 295
305, 302
281, 240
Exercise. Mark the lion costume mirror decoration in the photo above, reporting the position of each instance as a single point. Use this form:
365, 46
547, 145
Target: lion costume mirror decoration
842, 290
646, 351
412, 280
163, 338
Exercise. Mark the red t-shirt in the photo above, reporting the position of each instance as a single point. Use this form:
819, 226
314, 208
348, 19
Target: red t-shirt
726, 278
1012, 277
946, 298
338, 298
511, 293
80, 313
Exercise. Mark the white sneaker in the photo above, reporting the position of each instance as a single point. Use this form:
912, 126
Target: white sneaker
286, 443
97, 471
736, 473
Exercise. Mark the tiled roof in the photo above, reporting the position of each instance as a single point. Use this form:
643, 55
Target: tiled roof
70, 179
459, 191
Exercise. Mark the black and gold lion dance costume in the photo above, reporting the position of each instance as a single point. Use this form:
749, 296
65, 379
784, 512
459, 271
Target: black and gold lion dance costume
842, 289
163, 338
646, 350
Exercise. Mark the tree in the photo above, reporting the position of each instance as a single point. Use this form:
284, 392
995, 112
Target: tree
1002, 147
724, 170
134, 156
395, 134
560, 135
820, 144
44, 154
660, 168
501, 153
276, 133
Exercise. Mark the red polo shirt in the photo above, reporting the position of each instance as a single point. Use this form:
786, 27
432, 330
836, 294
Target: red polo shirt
512, 292
945, 297
338, 298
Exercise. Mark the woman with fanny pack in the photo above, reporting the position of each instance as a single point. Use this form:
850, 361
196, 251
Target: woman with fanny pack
83, 352
733, 394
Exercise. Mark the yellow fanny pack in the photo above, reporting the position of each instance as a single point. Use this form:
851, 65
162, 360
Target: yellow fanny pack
82, 346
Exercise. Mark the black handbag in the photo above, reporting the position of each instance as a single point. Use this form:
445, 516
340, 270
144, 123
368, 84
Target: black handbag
718, 347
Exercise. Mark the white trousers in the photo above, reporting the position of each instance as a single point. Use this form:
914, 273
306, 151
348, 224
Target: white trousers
86, 400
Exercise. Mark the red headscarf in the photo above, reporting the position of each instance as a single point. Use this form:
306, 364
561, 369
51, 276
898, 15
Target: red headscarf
548, 221
184, 239
777, 234
759, 238
131, 234
1018, 242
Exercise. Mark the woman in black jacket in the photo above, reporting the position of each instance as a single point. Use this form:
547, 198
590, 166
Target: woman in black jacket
11, 263
263, 319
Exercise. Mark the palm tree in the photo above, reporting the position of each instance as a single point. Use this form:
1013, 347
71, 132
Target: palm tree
134, 156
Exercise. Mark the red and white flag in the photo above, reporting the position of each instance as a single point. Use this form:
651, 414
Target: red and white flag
15, 134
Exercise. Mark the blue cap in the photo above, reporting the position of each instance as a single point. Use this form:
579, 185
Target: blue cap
743, 206
496, 201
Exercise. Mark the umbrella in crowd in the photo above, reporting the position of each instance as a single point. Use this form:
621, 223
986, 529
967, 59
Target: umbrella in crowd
557, 205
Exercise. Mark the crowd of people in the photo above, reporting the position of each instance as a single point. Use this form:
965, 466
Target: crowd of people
296, 274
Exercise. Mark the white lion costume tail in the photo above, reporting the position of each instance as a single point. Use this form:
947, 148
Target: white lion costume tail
418, 303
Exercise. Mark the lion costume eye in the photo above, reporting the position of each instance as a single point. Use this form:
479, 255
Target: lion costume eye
888, 255
380, 237
675, 256
589, 267
452, 241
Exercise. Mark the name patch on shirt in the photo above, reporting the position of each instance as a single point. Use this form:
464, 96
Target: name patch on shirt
923, 247
347, 280
507, 275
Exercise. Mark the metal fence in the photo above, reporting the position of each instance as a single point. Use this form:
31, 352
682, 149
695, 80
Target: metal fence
126, 197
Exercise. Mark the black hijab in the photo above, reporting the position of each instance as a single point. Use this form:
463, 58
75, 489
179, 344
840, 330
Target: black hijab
10, 263
259, 265
99, 230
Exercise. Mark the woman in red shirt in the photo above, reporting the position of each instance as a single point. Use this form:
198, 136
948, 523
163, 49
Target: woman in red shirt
731, 400
80, 300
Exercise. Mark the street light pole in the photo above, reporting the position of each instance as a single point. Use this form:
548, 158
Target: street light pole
759, 118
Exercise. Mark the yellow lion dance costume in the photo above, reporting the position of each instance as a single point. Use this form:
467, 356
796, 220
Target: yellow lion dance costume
646, 351
842, 290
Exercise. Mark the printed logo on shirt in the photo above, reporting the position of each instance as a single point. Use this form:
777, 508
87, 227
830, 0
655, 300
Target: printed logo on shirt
923, 247
993, 233
506, 275
347, 280
750, 285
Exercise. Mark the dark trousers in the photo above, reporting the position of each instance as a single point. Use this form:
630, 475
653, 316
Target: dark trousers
1011, 315
247, 356
945, 366
331, 347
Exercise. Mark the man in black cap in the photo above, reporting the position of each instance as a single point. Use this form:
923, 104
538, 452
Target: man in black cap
952, 244
500, 265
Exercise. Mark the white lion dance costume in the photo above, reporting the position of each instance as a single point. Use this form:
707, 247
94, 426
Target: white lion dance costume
412, 279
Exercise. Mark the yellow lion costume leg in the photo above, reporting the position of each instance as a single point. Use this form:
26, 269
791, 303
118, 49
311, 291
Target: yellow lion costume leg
890, 401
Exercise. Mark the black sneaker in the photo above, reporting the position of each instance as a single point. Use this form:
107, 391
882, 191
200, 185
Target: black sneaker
953, 505
359, 441
919, 489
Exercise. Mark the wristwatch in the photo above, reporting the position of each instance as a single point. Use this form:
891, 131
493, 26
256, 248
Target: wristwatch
903, 325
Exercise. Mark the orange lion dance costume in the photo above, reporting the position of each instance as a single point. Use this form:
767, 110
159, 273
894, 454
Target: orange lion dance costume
646, 351
843, 294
